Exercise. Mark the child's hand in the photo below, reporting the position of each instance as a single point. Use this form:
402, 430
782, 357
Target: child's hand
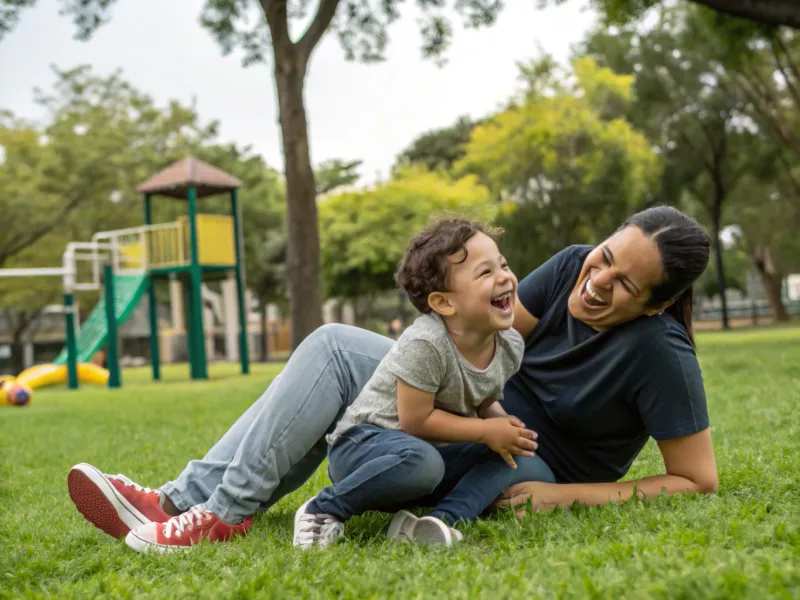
508, 437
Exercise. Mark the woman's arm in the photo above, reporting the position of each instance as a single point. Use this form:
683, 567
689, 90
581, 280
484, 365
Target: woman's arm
524, 322
690, 467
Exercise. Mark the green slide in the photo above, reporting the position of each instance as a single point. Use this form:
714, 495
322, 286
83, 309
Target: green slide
128, 290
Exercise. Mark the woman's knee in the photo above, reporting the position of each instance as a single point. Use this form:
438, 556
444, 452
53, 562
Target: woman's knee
325, 335
425, 467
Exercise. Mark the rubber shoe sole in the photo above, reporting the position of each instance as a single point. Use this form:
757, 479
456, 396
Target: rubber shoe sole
100, 503
139, 544
429, 530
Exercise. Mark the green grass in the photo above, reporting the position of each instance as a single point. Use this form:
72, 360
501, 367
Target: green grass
742, 542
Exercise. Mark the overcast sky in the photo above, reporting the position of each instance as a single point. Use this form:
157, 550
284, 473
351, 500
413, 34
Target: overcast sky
356, 111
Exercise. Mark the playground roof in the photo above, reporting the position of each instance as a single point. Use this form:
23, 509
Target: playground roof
189, 172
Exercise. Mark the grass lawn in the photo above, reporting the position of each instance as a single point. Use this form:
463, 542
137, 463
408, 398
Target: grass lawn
742, 542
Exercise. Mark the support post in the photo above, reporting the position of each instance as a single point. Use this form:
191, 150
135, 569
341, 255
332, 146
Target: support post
199, 367
148, 237
148, 210
155, 359
72, 347
112, 340
244, 356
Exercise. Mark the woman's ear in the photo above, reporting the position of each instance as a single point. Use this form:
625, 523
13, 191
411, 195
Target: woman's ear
440, 304
657, 310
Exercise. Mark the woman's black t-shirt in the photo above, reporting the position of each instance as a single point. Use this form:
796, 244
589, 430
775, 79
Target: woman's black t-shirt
595, 398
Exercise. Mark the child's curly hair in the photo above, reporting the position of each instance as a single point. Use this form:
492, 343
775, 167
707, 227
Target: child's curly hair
425, 268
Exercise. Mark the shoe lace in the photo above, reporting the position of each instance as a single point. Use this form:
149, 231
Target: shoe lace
133, 484
188, 520
317, 528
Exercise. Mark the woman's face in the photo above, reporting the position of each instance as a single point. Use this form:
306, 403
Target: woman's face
616, 279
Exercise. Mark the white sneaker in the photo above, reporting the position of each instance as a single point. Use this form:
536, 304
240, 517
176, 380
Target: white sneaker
427, 530
315, 530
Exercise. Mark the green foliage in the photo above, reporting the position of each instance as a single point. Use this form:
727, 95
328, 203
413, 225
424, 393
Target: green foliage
736, 264
564, 173
439, 148
364, 234
740, 543
361, 25
333, 174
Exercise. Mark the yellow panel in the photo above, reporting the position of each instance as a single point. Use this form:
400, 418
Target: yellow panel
131, 255
215, 240
166, 248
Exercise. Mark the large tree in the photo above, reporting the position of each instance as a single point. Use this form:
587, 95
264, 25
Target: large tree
362, 30
766, 214
687, 108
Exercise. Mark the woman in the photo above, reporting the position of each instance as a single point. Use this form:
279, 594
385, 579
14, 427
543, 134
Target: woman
609, 362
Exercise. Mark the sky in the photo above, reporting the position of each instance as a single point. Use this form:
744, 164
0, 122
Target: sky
355, 111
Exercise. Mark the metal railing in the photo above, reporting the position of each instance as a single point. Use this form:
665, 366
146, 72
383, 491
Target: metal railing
138, 249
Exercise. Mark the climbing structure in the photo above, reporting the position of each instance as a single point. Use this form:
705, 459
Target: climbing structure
128, 263
195, 248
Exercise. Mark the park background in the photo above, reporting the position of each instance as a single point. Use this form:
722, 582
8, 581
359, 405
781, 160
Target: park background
552, 119
549, 122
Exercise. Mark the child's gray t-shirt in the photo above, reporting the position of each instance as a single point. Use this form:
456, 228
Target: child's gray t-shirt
425, 357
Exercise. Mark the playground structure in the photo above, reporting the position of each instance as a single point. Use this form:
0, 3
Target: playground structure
127, 263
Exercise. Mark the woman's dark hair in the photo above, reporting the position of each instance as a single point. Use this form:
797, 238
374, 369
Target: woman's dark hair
684, 247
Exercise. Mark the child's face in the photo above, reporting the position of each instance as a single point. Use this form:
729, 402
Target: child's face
483, 288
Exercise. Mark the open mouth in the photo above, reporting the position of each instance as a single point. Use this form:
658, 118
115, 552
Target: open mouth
502, 302
591, 298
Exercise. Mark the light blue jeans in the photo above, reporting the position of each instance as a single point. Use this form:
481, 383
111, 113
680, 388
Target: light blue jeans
278, 443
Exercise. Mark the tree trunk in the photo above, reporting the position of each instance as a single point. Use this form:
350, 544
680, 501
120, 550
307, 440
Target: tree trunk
17, 355
716, 218
19, 322
303, 250
338, 310
772, 287
363, 309
264, 331
772, 282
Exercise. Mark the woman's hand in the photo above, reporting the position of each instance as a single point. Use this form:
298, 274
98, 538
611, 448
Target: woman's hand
518, 496
690, 468
508, 437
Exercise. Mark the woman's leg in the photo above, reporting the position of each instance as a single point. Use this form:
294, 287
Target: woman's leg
279, 442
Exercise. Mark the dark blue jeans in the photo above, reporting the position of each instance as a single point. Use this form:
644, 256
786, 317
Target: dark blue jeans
380, 469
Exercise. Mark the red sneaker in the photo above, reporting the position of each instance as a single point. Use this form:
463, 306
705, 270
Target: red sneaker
184, 531
113, 503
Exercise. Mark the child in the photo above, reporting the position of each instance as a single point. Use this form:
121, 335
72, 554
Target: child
440, 382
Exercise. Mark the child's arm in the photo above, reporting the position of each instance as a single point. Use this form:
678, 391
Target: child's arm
491, 408
418, 417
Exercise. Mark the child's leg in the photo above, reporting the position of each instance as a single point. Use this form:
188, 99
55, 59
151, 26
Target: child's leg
475, 476
372, 468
